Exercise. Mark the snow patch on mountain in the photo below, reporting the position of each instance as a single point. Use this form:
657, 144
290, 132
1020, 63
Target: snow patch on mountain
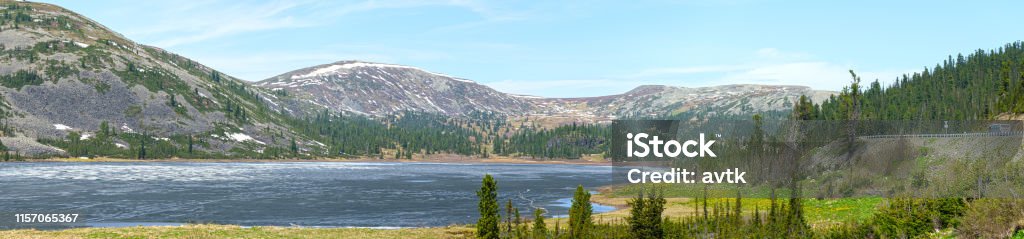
240, 137
527, 96
333, 69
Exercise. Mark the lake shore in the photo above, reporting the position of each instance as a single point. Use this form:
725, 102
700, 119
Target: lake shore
231, 231
433, 159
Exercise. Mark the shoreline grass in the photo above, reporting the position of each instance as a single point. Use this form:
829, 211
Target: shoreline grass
199, 231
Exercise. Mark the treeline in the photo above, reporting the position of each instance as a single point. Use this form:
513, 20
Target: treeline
566, 141
978, 86
408, 134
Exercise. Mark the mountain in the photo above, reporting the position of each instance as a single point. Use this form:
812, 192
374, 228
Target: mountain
69, 83
660, 100
382, 89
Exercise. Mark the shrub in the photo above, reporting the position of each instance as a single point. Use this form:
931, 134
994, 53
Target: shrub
992, 218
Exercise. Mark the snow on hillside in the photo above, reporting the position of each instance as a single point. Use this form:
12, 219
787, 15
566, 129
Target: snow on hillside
333, 69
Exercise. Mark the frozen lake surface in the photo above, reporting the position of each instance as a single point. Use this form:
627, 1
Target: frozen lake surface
321, 194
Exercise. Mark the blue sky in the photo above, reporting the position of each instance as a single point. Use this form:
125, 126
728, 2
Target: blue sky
573, 48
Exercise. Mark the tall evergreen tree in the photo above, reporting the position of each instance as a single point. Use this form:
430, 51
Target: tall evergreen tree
645, 215
142, 147
580, 222
487, 225
540, 229
508, 218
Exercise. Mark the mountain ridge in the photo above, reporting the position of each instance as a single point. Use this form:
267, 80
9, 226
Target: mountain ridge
361, 86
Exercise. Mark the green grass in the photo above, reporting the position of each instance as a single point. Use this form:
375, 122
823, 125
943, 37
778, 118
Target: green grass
697, 190
819, 213
834, 211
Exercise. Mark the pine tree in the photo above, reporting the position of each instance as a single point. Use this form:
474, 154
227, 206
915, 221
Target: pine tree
508, 218
580, 222
518, 223
104, 130
215, 76
142, 147
294, 147
645, 217
539, 228
487, 225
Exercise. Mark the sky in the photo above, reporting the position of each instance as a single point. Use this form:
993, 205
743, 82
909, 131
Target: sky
573, 48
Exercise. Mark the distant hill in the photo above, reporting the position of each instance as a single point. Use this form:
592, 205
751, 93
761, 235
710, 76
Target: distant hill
382, 89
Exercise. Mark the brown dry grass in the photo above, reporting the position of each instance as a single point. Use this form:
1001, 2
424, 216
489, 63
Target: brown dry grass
226, 231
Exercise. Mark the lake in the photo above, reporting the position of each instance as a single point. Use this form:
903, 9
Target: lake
314, 194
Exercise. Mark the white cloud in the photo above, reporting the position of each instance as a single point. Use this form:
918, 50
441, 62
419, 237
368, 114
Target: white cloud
197, 21
776, 54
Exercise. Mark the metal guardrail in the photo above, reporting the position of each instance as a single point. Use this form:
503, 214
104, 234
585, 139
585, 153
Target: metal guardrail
962, 135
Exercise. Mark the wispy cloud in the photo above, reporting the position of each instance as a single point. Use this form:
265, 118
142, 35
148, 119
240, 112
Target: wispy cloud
199, 21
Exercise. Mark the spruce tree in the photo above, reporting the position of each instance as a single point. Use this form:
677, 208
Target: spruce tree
487, 225
518, 221
294, 147
539, 228
508, 218
645, 215
104, 130
580, 222
142, 147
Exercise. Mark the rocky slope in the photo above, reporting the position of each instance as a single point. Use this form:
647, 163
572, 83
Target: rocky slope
63, 74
